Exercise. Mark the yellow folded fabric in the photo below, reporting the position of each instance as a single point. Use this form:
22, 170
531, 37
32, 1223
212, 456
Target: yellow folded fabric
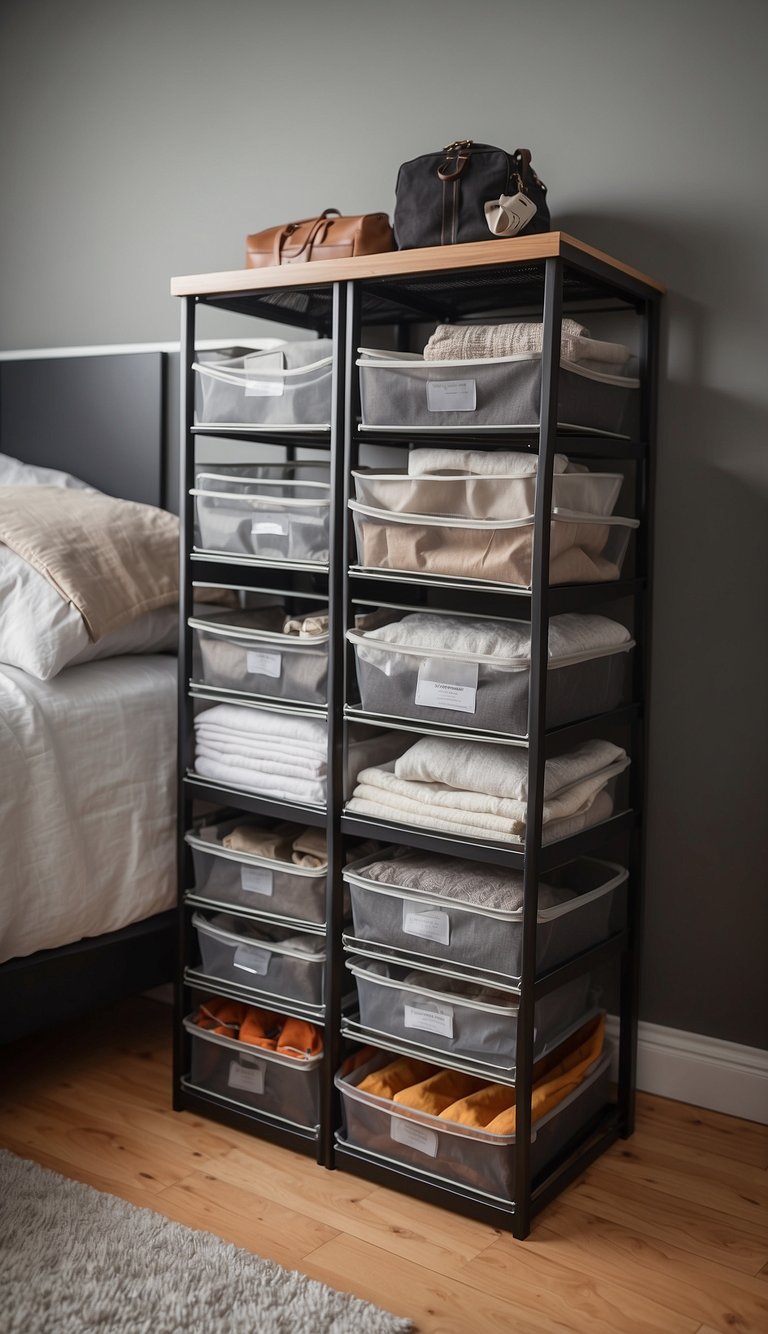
441, 1089
388, 1082
562, 1072
481, 1107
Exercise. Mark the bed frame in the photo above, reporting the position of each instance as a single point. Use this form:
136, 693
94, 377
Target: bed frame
107, 417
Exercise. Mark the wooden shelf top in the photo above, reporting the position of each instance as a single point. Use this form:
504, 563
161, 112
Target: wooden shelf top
410, 263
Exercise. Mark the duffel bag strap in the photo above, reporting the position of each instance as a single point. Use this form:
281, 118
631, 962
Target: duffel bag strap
457, 156
316, 226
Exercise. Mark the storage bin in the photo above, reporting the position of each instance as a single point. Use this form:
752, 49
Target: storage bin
234, 654
407, 391
265, 1081
583, 548
262, 885
483, 942
449, 1017
484, 497
271, 961
272, 519
459, 688
286, 386
461, 1154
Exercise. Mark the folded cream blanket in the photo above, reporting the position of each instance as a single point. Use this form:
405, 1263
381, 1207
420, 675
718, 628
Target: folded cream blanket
501, 772
477, 462
572, 633
463, 342
112, 559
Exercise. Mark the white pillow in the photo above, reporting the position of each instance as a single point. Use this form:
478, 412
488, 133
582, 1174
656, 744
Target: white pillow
15, 473
42, 633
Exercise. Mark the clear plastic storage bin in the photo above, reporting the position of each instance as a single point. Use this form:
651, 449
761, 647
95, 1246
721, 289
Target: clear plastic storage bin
484, 497
235, 654
583, 548
483, 942
263, 885
461, 1154
286, 386
272, 519
271, 961
460, 1019
266, 1081
398, 390
430, 684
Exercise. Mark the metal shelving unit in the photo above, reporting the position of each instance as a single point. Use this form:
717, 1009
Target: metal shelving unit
546, 276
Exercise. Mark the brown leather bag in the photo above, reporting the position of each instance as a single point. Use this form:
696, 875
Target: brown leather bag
329, 236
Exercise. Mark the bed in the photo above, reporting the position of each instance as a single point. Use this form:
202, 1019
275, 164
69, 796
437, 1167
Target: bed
87, 758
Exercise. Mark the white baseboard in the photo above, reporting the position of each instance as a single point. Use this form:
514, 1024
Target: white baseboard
707, 1072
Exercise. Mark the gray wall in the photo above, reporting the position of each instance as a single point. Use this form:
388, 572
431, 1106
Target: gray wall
143, 140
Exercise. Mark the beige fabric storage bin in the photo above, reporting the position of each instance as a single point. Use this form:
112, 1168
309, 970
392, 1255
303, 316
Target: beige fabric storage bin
584, 549
288, 386
492, 497
255, 884
403, 390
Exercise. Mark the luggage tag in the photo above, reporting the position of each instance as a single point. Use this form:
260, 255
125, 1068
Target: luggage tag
509, 214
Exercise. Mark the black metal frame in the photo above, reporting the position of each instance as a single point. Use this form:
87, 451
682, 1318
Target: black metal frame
344, 309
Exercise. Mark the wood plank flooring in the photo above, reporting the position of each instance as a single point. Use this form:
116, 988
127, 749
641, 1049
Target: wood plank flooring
666, 1234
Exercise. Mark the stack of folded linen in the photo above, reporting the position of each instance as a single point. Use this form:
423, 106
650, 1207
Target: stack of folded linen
280, 755
480, 790
466, 342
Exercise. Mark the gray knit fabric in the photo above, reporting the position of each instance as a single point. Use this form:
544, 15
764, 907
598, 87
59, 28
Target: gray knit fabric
464, 881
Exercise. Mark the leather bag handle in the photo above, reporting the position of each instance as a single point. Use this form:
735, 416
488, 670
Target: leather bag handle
316, 226
451, 169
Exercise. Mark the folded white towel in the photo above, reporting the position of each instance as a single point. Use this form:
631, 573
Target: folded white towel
477, 462
501, 771
264, 723
307, 791
462, 342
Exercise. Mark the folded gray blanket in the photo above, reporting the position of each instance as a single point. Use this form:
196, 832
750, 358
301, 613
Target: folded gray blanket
465, 881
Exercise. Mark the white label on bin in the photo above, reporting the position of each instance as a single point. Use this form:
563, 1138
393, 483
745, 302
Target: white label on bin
264, 664
251, 959
276, 529
256, 879
249, 1077
416, 1137
451, 395
443, 684
429, 1018
275, 361
429, 925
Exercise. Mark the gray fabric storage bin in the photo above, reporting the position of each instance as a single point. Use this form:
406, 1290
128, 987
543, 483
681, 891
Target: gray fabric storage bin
266, 1081
260, 885
285, 386
234, 655
388, 676
483, 942
266, 518
474, 496
461, 1154
443, 1017
407, 391
272, 961
584, 548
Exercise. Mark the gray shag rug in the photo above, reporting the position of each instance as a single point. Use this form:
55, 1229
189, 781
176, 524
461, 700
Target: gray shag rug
74, 1259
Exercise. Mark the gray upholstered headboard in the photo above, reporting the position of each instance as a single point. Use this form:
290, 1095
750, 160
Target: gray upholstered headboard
106, 417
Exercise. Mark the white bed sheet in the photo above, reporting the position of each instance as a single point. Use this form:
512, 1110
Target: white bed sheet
87, 800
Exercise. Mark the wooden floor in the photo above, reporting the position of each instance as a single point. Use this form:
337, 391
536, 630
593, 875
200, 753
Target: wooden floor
667, 1232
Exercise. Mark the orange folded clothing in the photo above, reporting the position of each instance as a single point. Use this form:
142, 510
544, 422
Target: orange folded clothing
389, 1081
559, 1074
260, 1028
221, 1016
481, 1107
432, 1095
299, 1039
